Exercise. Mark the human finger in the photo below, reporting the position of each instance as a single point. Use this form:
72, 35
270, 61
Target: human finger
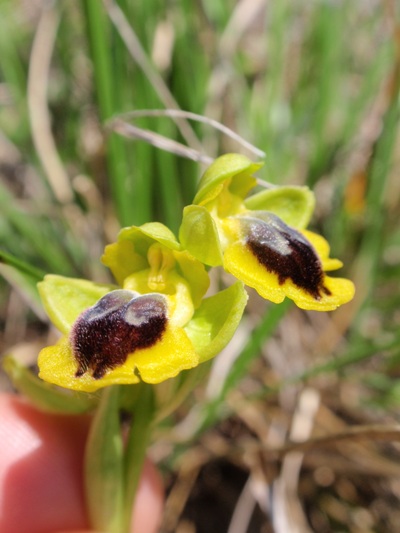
41, 465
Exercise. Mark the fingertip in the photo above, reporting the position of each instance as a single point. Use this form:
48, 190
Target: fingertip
40, 469
148, 507
149, 503
41, 465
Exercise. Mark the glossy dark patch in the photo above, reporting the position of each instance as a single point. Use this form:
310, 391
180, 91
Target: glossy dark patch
285, 252
120, 323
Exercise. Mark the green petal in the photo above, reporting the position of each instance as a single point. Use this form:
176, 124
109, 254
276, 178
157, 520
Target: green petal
235, 166
122, 259
130, 258
216, 320
64, 299
195, 274
199, 235
129, 254
294, 205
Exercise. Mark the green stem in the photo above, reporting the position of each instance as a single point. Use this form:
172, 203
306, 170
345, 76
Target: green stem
136, 448
104, 465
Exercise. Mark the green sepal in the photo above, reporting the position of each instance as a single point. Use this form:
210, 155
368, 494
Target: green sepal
199, 235
143, 236
235, 167
216, 320
44, 396
294, 205
64, 299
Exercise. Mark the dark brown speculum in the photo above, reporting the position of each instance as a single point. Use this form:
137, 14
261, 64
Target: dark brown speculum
118, 324
284, 251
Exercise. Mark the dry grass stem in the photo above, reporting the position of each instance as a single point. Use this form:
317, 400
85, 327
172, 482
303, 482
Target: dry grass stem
38, 81
155, 139
178, 113
136, 50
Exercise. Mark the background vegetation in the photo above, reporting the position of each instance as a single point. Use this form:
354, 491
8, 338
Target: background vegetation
314, 84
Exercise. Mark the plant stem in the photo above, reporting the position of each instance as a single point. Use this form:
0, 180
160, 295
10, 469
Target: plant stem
136, 447
104, 465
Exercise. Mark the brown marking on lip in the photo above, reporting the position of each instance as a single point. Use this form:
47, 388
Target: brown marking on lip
285, 252
117, 325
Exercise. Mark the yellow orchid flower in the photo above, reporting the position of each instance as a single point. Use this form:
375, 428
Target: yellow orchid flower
261, 240
152, 328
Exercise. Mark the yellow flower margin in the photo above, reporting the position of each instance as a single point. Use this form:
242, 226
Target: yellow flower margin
239, 261
172, 354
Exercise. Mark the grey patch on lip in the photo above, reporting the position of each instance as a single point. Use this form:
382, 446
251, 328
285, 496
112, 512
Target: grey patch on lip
146, 307
110, 302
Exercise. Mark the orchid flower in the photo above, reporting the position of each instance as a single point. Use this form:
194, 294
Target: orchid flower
262, 239
151, 326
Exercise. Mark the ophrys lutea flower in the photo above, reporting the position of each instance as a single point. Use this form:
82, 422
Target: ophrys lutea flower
152, 326
262, 240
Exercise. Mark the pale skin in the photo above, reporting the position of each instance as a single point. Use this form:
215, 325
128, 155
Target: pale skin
41, 460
